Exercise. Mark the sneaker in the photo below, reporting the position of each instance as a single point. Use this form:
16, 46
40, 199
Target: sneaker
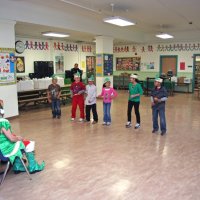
72, 119
128, 124
108, 123
104, 123
163, 133
154, 131
94, 122
81, 120
53, 117
58, 117
137, 126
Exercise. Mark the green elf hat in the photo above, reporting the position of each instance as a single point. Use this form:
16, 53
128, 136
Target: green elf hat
91, 78
54, 77
106, 80
160, 80
77, 75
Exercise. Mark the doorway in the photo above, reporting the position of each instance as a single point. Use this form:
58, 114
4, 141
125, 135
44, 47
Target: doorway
168, 64
196, 72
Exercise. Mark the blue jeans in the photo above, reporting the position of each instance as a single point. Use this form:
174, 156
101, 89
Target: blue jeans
106, 112
159, 110
55, 106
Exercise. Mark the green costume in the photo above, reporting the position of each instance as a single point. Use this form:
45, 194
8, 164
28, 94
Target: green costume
13, 150
135, 89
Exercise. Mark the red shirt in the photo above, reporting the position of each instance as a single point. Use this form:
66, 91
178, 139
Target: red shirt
77, 87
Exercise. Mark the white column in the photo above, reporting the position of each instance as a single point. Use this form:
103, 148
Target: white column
8, 93
104, 45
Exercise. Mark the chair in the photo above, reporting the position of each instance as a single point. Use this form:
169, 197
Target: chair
5, 159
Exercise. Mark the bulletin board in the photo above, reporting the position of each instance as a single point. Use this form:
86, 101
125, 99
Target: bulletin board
108, 64
128, 63
7, 66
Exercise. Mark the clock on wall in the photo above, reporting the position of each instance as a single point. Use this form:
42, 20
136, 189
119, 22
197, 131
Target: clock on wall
19, 46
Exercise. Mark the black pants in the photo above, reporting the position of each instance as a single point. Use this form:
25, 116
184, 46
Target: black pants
94, 111
136, 108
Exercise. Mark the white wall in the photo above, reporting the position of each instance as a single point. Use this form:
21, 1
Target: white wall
70, 57
146, 57
8, 93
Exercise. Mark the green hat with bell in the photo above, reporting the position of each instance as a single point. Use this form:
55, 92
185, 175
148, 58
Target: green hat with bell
106, 80
91, 78
54, 77
77, 75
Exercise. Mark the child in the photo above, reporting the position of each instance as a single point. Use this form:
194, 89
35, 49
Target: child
90, 101
135, 91
108, 93
158, 98
77, 92
53, 95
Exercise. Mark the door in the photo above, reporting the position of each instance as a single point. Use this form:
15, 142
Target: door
168, 63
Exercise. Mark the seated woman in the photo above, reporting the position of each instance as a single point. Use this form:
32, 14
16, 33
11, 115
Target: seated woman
13, 147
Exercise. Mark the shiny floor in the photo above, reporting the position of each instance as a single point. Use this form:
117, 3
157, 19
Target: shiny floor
93, 162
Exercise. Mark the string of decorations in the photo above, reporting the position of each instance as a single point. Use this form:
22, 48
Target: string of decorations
36, 45
179, 47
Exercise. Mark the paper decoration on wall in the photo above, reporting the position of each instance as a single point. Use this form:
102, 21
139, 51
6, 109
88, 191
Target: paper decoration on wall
36, 45
20, 64
59, 63
179, 47
119, 49
86, 48
7, 66
148, 66
182, 65
129, 63
65, 47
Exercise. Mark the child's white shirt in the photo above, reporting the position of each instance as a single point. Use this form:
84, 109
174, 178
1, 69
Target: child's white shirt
91, 92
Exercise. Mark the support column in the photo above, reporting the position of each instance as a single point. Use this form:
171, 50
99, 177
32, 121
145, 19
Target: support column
8, 93
104, 60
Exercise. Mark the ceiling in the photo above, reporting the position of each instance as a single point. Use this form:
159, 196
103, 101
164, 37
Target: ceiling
84, 21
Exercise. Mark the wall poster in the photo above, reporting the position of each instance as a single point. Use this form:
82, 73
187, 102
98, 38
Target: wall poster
108, 64
90, 66
59, 62
20, 64
128, 63
7, 66
99, 65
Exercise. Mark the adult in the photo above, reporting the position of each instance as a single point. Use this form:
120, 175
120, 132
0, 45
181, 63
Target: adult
158, 98
13, 147
74, 71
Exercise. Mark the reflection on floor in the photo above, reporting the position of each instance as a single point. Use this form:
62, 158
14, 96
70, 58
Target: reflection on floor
93, 162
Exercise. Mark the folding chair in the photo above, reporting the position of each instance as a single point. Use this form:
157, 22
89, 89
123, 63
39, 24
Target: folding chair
5, 159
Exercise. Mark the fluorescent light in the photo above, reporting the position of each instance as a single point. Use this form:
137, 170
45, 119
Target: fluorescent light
52, 34
164, 36
119, 21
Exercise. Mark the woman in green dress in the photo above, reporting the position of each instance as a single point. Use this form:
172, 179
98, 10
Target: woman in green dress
13, 147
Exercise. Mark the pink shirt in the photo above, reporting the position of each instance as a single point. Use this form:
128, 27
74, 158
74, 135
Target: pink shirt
107, 93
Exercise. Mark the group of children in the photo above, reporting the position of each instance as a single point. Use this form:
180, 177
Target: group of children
79, 91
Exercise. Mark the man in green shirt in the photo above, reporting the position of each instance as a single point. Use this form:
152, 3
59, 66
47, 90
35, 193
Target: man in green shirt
135, 91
